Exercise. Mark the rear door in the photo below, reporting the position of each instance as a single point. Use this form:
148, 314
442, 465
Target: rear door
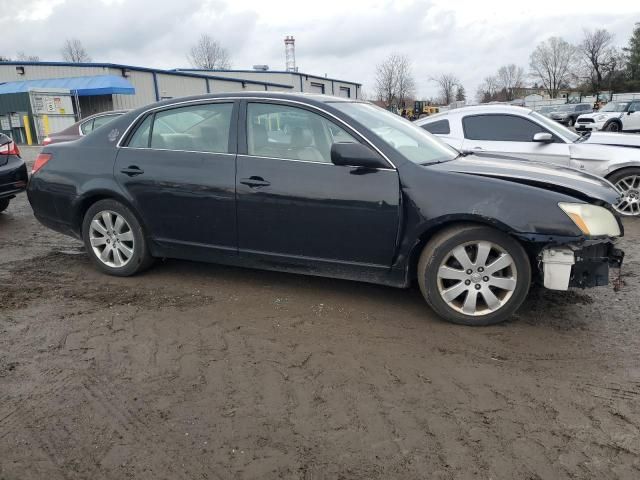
178, 167
512, 135
294, 205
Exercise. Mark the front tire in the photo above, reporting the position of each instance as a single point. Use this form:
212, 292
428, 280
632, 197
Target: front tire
627, 181
474, 275
4, 204
570, 122
612, 127
114, 239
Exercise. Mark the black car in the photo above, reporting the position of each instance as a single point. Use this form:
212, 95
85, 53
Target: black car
13, 171
326, 186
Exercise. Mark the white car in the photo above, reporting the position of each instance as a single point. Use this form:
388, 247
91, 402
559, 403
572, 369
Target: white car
523, 133
613, 117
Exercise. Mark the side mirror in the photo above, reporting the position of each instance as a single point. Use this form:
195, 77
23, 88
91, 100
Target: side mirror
543, 137
356, 155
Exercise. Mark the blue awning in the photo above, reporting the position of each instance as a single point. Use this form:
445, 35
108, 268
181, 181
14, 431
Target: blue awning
82, 86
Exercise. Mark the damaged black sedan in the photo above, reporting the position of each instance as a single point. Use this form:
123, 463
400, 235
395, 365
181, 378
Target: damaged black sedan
326, 186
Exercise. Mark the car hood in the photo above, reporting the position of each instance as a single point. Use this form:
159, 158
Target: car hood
551, 177
610, 138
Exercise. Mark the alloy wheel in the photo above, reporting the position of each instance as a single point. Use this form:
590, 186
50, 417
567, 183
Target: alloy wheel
477, 278
613, 127
111, 239
629, 204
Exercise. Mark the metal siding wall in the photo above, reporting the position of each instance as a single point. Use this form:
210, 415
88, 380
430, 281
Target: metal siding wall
145, 91
177, 86
36, 72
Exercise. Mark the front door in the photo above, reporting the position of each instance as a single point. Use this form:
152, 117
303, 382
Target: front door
295, 205
512, 135
178, 168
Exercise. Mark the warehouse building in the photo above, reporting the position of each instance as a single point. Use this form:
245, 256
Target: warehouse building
40, 88
298, 81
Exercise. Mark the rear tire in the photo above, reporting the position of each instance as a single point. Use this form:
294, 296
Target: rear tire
489, 294
4, 204
114, 239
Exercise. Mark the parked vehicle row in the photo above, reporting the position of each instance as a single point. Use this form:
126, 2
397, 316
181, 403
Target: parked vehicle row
523, 133
13, 171
613, 117
328, 186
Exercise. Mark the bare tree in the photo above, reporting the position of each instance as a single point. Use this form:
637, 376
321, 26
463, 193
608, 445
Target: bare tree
209, 54
487, 90
22, 57
510, 78
599, 56
447, 84
394, 80
551, 63
74, 52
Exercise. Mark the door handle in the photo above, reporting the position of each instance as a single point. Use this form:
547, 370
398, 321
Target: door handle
132, 171
255, 182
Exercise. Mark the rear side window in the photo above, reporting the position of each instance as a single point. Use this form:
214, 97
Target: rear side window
99, 121
197, 128
140, 138
500, 128
86, 127
440, 127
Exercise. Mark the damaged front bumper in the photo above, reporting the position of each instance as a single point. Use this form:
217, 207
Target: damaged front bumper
582, 266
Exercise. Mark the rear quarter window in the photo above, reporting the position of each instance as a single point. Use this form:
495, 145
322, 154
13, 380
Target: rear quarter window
440, 127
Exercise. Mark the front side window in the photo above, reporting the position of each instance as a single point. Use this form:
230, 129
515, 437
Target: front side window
634, 107
281, 131
500, 128
412, 142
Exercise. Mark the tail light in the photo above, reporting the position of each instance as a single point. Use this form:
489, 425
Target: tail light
46, 141
40, 162
10, 149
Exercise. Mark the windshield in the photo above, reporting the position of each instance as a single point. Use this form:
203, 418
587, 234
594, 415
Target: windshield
555, 127
413, 142
615, 107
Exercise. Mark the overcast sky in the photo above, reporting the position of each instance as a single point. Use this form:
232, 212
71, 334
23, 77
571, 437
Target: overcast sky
341, 38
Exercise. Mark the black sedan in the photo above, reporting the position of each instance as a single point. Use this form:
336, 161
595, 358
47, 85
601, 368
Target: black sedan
13, 171
326, 186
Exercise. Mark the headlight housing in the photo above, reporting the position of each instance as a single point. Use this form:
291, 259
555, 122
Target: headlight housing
592, 220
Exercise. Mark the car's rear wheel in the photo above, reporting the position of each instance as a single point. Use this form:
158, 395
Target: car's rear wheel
627, 181
612, 127
4, 204
474, 275
115, 239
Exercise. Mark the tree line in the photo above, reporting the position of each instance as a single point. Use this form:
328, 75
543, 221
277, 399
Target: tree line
594, 64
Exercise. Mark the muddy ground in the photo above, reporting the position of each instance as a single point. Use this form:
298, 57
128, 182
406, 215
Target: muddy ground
195, 371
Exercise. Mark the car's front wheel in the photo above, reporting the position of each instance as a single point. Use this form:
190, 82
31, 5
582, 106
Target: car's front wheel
4, 204
114, 239
474, 275
570, 122
612, 127
627, 181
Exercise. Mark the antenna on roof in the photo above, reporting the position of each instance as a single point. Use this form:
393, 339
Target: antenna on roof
290, 53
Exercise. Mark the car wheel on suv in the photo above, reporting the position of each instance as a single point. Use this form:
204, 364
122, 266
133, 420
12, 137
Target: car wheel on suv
4, 204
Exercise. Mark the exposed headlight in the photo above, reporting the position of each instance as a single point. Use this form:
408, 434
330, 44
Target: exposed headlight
592, 220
